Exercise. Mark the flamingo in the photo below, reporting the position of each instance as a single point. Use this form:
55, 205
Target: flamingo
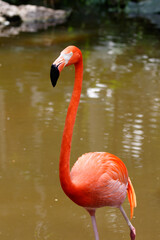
97, 179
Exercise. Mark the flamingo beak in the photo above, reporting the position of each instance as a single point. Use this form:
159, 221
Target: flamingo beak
56, 68
54, 74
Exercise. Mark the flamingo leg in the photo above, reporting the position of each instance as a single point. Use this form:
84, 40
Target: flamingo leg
93, 218
132, 229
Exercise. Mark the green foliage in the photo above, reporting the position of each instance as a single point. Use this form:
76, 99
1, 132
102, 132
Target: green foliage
70, 3
112, 5
95, 2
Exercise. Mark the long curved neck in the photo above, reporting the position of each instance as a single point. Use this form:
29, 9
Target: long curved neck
64, 165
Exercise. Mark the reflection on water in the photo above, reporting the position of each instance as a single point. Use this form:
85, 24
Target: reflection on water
119, 112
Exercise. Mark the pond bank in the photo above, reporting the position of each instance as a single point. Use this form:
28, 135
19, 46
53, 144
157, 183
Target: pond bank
28, 18
31, 18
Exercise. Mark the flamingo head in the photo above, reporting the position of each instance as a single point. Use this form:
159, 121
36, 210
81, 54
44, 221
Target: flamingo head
70, 55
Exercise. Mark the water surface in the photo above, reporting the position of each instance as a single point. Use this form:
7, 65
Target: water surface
119, 112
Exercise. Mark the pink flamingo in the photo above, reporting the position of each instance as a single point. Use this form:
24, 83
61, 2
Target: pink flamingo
97, 179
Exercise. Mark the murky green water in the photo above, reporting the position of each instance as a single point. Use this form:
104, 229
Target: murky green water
119, 112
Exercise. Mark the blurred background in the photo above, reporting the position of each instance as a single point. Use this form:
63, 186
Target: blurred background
119, 112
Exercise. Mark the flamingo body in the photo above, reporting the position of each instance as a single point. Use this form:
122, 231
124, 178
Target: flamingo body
97, 179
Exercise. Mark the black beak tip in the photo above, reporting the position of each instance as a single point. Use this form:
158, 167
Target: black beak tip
54, 74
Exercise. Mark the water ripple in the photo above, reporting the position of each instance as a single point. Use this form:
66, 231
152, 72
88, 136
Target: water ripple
133, 136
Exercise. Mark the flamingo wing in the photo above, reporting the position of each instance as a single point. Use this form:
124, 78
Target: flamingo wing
102, 179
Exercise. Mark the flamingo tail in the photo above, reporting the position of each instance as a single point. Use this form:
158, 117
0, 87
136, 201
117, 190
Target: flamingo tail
131, 197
